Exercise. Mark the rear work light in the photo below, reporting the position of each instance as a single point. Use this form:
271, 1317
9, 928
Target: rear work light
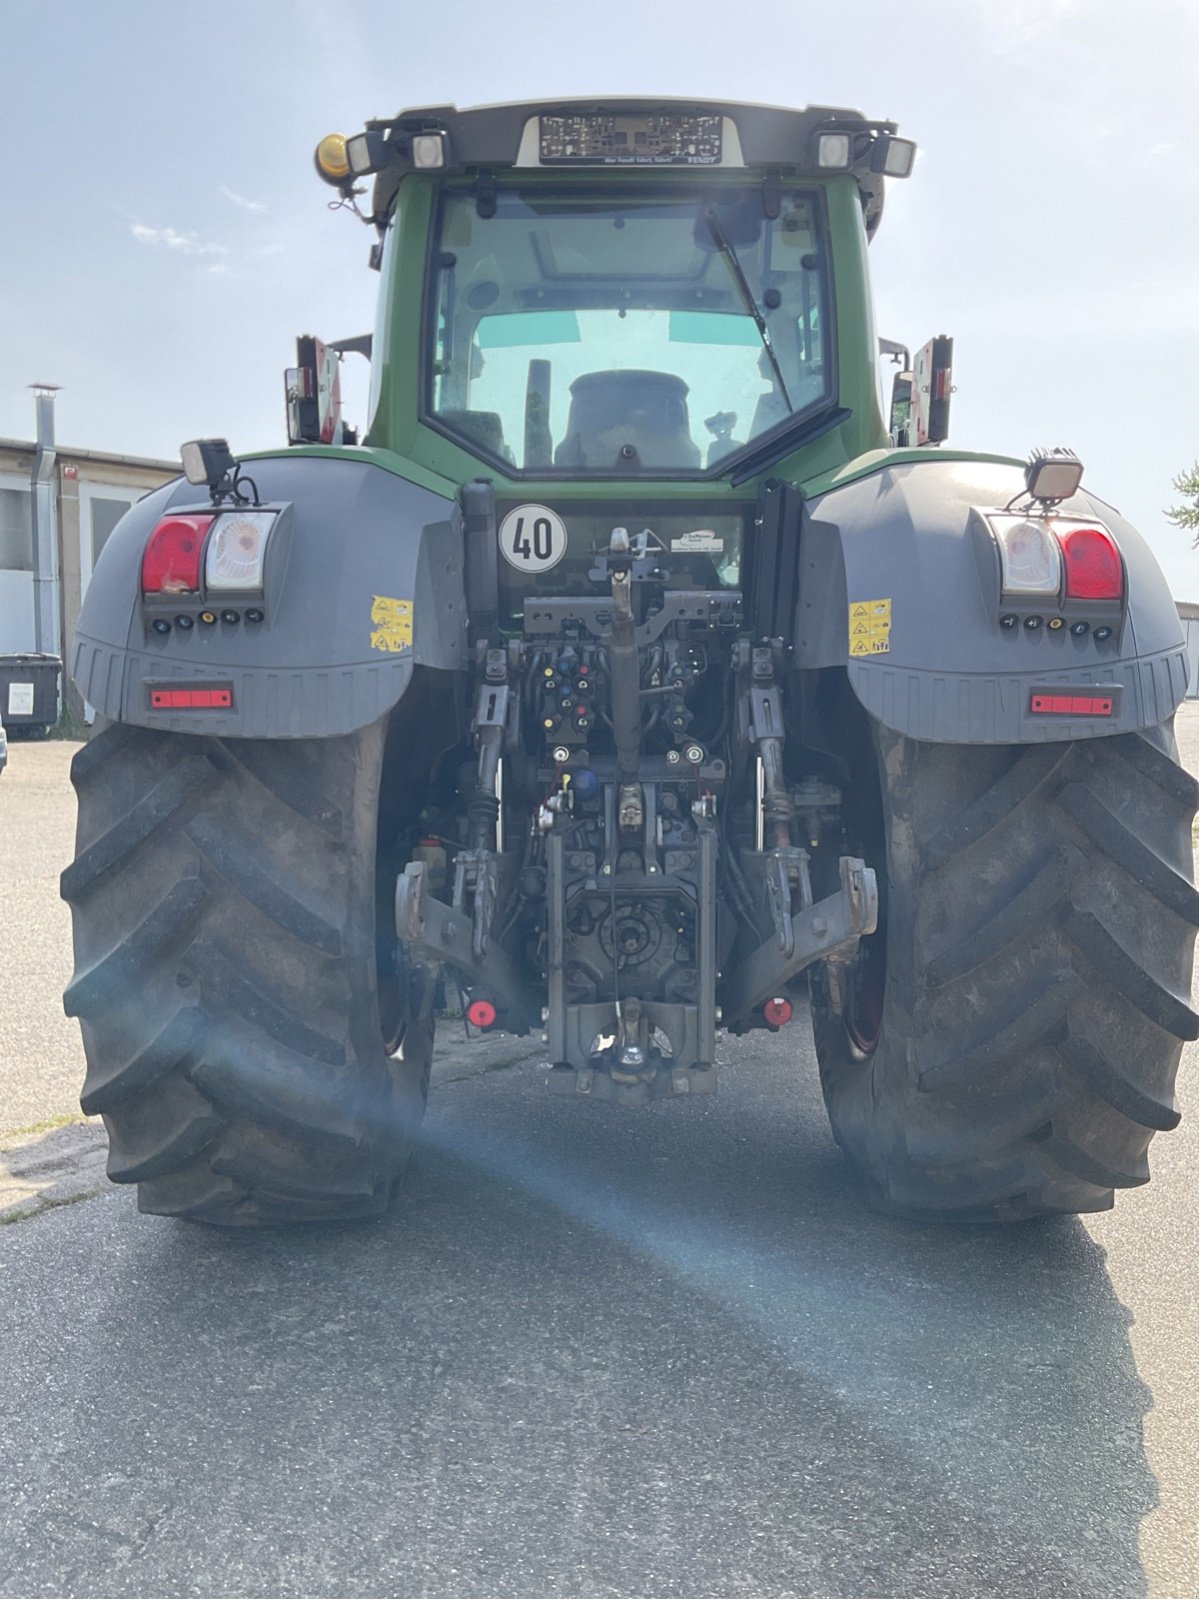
171, 559
1093, 565
835, 151
237, 550
1030, 561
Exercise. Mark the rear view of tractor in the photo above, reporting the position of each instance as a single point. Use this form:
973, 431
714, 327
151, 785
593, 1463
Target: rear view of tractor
635, 682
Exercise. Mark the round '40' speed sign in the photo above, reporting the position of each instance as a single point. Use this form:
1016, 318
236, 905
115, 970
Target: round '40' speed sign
533, 538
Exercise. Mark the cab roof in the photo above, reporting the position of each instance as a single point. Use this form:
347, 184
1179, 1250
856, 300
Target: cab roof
622, 133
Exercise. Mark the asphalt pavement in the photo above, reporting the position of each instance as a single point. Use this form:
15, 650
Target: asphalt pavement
589, 1352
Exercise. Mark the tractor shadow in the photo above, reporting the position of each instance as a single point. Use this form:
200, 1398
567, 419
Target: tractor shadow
963, 1402
664, 1352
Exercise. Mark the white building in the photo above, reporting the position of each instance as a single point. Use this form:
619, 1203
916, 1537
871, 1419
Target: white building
83, 494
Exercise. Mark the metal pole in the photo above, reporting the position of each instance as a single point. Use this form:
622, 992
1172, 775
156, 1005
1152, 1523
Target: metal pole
45, 527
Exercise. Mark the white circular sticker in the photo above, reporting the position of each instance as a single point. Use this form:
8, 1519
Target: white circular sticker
533, 538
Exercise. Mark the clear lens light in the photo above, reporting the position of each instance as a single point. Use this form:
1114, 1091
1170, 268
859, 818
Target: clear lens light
358, 155
898, 162
205, 460
193, 463
1055, 480
833, 150
1030, 562
428, 150
236, 550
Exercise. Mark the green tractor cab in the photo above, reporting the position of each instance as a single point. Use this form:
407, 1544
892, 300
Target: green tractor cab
629, 676
660, 306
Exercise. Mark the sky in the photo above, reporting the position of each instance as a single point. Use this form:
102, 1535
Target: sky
165, 237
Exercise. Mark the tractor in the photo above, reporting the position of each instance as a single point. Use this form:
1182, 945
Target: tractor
642, 674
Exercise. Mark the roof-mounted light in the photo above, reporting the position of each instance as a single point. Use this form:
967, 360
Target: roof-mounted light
428, 151
331, 161
835, 151
367, 153
893, 157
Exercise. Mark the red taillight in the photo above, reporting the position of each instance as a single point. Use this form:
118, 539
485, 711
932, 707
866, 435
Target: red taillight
777, 1012
1093, 565
171, 559
482, 1013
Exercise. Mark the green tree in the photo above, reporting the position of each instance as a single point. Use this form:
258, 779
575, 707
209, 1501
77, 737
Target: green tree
1186, 514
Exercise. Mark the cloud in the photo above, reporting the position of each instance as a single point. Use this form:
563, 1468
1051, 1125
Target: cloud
213, 259
184, 244
1014, 26
241, 201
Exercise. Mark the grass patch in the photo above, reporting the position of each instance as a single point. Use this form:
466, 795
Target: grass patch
8, 1218
63, 1120
70, 725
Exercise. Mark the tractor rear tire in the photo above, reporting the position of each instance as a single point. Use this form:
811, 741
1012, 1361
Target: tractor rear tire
229, 972
1012, 1033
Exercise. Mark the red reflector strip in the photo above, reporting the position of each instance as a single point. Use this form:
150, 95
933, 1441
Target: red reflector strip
1072, 705
191, 699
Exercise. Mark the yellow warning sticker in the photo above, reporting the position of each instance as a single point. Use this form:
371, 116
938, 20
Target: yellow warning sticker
393, 624
870, 627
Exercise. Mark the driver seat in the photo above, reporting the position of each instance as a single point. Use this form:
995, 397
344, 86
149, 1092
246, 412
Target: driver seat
626, 422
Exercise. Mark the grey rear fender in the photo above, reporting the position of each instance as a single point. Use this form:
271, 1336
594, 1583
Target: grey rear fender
907, 542
366, 584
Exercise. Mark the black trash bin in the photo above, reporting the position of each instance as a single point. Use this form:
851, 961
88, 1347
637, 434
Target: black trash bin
29, 692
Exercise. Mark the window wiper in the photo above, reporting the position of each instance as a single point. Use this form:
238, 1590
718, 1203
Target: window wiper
721, 240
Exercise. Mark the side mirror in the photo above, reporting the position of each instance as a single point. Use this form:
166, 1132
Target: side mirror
932, 390
314, 395
900, 424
